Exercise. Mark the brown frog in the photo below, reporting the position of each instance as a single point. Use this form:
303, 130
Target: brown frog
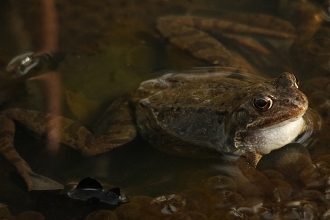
223, 40
199, 114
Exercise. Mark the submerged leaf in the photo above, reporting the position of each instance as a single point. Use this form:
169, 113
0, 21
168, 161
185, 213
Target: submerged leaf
79, 105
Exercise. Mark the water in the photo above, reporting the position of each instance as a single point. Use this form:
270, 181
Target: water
104, 49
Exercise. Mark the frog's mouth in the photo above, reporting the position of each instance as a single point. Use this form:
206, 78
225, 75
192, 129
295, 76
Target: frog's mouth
264, 140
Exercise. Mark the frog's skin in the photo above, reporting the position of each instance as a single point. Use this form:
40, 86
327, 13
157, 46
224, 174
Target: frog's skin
195, 114
202, 37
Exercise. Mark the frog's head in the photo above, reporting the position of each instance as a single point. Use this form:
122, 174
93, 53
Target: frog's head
269, 115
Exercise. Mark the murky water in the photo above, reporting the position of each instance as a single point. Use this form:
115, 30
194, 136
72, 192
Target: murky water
104, 49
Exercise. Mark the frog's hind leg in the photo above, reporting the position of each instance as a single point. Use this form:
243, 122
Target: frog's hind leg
114, 128
34, 181
115, 131
200, 44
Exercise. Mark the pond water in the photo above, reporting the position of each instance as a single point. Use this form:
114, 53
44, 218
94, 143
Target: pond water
88, 53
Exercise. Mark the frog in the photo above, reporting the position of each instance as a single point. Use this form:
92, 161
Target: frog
230, 39
201, 113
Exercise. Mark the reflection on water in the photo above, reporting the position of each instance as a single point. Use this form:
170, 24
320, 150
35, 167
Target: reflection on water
106, 48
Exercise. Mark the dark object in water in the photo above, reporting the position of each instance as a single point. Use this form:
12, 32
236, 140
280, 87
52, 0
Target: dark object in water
91, 190
23, 64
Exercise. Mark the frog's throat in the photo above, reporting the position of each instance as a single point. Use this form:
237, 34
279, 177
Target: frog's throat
264, 140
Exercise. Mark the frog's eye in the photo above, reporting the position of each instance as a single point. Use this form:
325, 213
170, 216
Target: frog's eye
297, 81
263, 103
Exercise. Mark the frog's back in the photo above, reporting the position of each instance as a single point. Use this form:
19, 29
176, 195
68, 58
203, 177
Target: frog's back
194, 87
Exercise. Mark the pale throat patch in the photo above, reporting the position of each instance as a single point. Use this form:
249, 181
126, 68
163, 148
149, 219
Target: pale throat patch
271, 138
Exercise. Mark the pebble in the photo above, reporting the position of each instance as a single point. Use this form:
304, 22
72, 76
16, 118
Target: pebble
315, 175
303, 210
102, 214
129, 211
225, 198
196, 179
273, 174
30, 215
197, 200
218, 183
277, 190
